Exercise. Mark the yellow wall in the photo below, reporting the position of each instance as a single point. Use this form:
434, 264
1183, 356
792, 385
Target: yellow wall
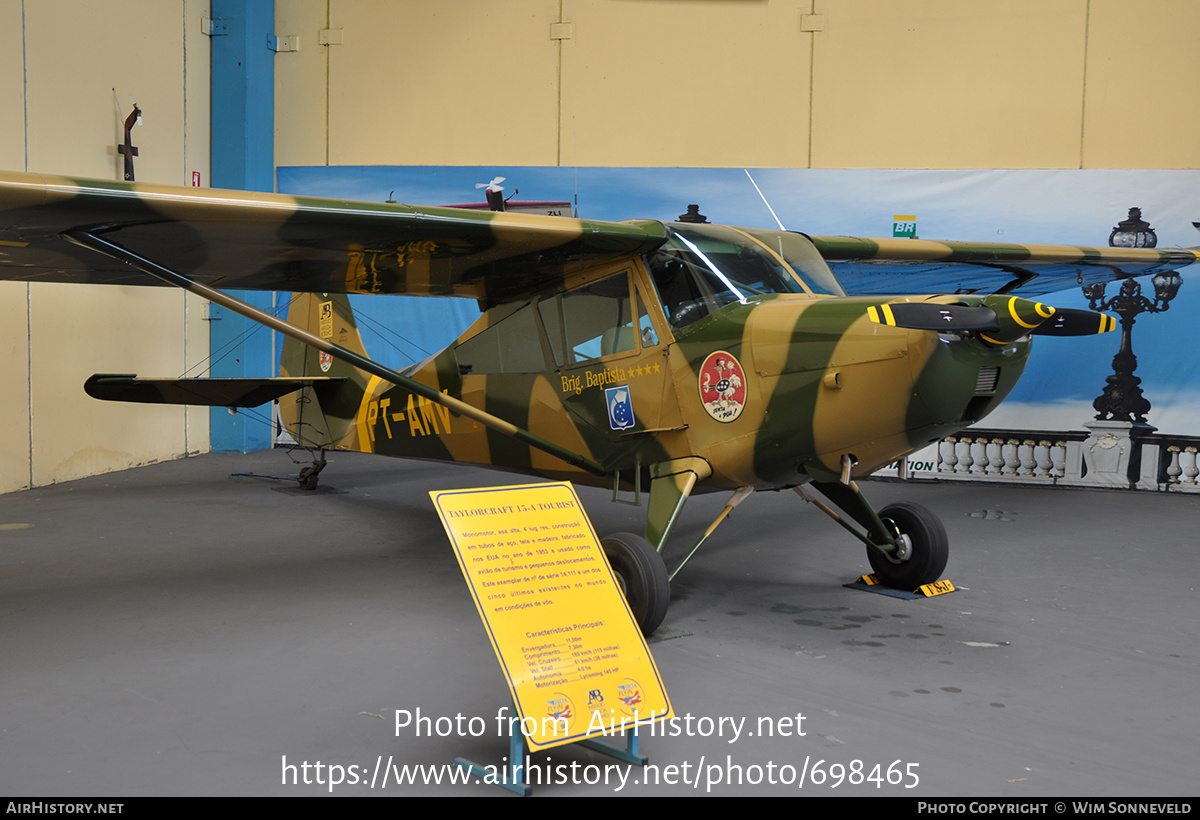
67, 70
784, 83
918, 84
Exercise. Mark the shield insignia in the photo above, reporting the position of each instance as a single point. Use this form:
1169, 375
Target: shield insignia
620, 407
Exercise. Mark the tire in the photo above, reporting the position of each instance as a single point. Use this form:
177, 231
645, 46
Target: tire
642, 577
929, 550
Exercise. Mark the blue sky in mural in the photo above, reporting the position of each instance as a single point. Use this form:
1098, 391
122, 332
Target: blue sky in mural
1035, 206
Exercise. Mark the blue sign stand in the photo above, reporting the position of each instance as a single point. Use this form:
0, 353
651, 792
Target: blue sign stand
514, 770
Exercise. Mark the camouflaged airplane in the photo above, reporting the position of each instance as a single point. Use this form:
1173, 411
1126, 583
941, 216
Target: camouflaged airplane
674, 358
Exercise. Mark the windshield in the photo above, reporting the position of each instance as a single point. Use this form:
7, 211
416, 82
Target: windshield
804, 258
702, 268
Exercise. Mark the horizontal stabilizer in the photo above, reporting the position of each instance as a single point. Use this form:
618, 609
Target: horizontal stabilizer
209, 392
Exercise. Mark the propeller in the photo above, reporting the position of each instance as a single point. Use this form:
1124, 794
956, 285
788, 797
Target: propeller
998, 319
494, 185
494, 193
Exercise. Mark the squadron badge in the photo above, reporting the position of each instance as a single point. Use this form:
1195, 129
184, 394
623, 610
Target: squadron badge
723, 386
620, 407
326, 361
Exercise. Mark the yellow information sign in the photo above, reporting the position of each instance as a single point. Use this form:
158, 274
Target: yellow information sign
576, 662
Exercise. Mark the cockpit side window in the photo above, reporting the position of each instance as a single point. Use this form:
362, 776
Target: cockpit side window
597, 320
684, 299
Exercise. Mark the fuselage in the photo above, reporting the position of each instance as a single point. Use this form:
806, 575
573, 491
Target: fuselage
737, 347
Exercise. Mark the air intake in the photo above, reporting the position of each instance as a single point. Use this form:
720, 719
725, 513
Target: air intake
987, 380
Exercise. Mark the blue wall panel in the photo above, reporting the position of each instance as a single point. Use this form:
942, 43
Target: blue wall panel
243, 157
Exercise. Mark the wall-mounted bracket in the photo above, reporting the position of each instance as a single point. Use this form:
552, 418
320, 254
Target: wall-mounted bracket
287, 42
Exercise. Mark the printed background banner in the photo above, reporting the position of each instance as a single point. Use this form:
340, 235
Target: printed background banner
1029, 206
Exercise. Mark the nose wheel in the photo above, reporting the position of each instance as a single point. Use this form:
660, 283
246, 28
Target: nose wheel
922, 547
642, 577
916, 544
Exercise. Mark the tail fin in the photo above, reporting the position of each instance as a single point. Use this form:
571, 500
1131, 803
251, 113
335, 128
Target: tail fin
323, 416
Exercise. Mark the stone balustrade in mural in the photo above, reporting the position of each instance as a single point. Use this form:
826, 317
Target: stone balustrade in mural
1109, 454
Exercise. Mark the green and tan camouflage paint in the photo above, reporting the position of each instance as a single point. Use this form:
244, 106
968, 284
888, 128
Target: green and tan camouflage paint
822, 380
817, 378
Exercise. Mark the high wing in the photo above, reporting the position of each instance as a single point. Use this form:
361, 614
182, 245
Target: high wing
253, 241
913, 266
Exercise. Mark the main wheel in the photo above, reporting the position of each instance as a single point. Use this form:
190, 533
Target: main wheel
923, 551
642, 576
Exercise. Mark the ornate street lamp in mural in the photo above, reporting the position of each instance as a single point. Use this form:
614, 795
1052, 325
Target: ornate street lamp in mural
1122, 399
1133, 232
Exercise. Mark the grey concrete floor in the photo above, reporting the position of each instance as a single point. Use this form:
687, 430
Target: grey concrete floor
175, 630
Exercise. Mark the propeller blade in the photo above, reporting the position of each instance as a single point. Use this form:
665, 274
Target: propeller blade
1075, 322
932, 316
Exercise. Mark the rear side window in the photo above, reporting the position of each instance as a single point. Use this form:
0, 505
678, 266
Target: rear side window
511, 345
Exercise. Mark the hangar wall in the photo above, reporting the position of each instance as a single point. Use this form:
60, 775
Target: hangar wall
766, 83
777, 83
67, 71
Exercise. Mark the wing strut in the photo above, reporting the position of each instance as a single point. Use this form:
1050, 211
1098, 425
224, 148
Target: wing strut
92, 241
